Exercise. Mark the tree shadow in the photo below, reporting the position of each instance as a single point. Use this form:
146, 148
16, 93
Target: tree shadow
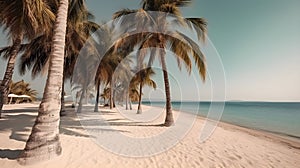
87, 120
19, 125
151, 125
115, 119
71, 124
9, 154
117, 122
20, 110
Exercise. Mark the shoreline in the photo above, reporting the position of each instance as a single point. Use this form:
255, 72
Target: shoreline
270, 136
261, 132
291, 141
277, 134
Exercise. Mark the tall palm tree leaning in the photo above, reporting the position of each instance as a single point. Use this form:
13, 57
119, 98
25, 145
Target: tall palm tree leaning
22, 20
162, 38
43, 142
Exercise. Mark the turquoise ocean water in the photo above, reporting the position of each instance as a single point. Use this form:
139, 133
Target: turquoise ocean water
276, 117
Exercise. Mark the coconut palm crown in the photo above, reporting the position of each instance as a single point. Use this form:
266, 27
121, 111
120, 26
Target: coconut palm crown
151, 29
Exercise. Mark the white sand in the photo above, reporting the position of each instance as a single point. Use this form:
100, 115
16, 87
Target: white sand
229, 146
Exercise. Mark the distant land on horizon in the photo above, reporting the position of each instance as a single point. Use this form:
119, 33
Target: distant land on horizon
250, 101
253, 101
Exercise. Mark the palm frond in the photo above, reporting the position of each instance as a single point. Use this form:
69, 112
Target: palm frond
125, 17
170, 8
29, 18
91, 26
153, 54
150, 83
197, 54
37, 50
35, 55
181, 3
154, 5
199, 25
6, 51
123, 12
181, 50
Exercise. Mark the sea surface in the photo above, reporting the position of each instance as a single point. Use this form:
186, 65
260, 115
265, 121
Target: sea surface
277, 117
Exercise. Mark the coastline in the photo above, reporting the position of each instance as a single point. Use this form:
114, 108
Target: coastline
286, 139
236, 109
291, 141
229, 146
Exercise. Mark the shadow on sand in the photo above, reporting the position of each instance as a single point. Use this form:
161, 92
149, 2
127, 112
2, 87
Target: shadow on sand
9, 154
19, 123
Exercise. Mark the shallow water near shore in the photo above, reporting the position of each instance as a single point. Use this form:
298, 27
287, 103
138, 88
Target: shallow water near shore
277, 117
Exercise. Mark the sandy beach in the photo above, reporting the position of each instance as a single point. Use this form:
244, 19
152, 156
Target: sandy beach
228, 146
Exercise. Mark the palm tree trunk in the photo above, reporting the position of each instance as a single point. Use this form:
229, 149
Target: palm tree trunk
79, 109
111, 95
43, 142
139, 111
169, 115
130, 104
97, 97
4, 88
62, 108
76, 99
86, 97
126, 98
114, 98
126, 102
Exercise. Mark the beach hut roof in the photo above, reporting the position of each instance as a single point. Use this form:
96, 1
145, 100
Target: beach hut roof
19, 96
12, 95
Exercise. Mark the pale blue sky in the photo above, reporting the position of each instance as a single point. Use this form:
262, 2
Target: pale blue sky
258, 42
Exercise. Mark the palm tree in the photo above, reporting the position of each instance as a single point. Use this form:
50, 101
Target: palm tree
144, 77
22, 88
133, 96
107, 63
96, 109
105, 94
35, 53
122, 76
22, 20
79, 28
151, 30
111, 93
131, 92
117, 53
43, 142
83, 79
113, 63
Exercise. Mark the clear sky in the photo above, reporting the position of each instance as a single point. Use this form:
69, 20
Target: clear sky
258, 42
